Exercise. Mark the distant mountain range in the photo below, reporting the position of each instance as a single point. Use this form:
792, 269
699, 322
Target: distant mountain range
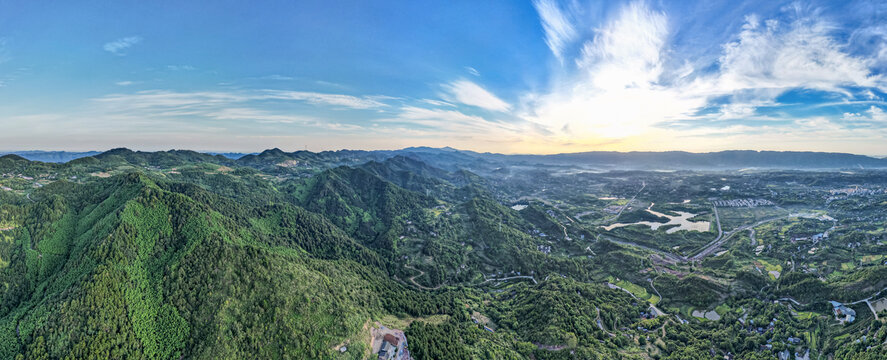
65, 156
676, 160
452, 159
51, 156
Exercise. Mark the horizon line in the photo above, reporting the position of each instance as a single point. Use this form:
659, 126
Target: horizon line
6, 152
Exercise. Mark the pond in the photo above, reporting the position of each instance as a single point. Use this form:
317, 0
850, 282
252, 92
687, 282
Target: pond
682, 220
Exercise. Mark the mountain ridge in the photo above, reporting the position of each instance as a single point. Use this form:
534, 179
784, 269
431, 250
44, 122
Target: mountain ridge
443, 158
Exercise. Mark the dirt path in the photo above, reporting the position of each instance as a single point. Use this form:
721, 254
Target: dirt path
413, 279
566, 237
551, 347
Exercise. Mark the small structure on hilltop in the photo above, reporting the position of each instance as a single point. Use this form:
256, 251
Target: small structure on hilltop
842, 313
393, 348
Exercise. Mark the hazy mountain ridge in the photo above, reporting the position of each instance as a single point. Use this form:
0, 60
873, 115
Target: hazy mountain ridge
449, 159
51, 156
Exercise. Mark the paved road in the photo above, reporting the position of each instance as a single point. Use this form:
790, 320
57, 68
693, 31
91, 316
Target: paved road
643, 185
792, 300
868, 302
614, 286
654, 289
511, 277
667, 255
712, 246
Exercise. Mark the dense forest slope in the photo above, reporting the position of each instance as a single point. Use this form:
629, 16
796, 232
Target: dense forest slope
180, 254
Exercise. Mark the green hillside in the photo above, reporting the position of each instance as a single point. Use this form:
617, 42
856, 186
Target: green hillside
179, 254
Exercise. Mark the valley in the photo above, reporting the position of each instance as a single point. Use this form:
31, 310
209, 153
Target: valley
454, 255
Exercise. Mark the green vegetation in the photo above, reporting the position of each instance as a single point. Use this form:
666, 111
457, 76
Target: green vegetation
292, 255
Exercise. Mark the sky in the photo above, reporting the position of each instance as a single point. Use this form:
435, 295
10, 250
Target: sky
507, 76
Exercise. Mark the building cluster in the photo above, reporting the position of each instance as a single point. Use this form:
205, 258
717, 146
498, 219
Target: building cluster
843, 313
394, 348
854, 191
787, 355
750, 203
487, 328
613, 209
815, 238
841, 194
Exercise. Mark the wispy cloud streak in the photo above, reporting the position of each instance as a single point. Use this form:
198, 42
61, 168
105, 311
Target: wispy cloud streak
118, 46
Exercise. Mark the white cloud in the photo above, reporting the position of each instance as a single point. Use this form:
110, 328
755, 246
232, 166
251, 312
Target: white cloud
180, 67
616, 94
872, 114
627, 51
117, 47
736, 111
802, 54
242, 113
435, 122
437, 103
177, 109
347, 101
169, 103
278, 77
439, 117
559, 31
472, 71
469, 93
124, 83
629, 82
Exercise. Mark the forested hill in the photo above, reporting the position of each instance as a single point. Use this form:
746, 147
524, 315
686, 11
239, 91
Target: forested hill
188, 258
186, 255
136, 268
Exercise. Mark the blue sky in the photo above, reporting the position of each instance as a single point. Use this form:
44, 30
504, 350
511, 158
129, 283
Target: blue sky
538, 76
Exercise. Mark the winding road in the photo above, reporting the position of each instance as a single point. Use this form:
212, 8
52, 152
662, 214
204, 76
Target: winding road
413, 279
667, 255
868, 302
511, 277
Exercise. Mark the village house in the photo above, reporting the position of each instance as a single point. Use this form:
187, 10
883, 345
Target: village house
392, 348
842, 313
